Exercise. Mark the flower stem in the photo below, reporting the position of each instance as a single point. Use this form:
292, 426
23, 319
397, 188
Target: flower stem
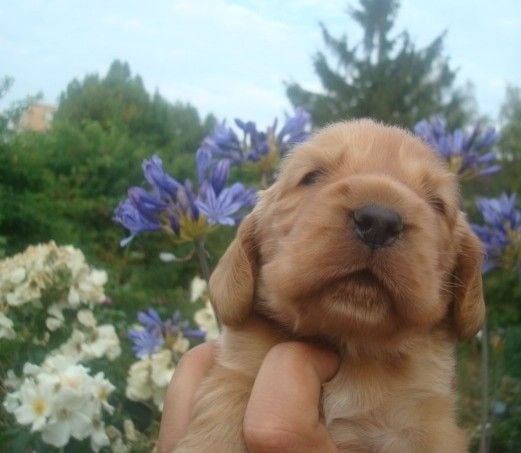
202, 256
267, 179
483, 442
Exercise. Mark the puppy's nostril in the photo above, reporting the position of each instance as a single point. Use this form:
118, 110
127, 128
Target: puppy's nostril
377, 226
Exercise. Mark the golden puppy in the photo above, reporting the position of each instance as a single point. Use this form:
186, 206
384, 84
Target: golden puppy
360, 245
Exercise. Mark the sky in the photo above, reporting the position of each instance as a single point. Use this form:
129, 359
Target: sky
232, 57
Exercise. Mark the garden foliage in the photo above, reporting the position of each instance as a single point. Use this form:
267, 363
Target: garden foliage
90, 333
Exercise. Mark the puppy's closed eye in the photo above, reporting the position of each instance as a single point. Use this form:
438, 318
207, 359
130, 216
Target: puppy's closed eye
311, 178
438, 205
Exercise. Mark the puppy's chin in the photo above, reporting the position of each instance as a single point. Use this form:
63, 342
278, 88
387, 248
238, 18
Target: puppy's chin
361, 289
359, 305
355, 306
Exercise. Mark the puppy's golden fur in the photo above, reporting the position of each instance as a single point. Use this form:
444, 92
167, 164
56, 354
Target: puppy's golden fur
297, 270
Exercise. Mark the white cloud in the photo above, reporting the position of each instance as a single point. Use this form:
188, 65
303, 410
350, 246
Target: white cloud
225, 14
131, 24
243, 100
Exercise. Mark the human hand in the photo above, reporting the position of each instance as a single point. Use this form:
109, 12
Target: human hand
282, 414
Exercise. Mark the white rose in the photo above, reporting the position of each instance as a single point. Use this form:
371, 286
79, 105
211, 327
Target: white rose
71, 417
102, 390
12, 381
53, 324
98, 277
86, 317
197, 288
98, 437
181, 344
162, 368
73, 347
74, 297
36, 404
17, 276
106, 343
139, 387
74, 377
205, 319
129, 429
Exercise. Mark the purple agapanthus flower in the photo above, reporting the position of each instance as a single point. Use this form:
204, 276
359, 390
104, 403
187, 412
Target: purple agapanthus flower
145, 342
204, 161
294, 130
251, 144
189, 212
176, 207
256, 144
164, 185
150, 319
223, 143
148, 204
501, 232
468, 154
133, 219
219, 175
221, 207
155, 333
186, 206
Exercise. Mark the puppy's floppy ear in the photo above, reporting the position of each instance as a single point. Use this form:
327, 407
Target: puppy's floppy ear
232, 284
469, 305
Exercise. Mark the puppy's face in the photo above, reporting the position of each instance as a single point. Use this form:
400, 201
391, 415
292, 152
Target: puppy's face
360, 237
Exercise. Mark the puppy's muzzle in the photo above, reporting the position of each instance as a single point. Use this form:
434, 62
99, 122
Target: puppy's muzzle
377, 226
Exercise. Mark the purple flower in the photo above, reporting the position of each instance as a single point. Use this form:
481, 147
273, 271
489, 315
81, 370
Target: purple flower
294, 130
465, 153
224, 144
223, 208
220, 205
188, 213
155, 333
159, 179
174, 207
145, 202
145, 342
501, 233
219, 175
203, 159
176, 324
130, 217
211, 172
150, 319
186, 206
255, 145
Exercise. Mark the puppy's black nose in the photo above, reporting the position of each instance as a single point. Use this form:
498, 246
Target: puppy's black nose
377, 226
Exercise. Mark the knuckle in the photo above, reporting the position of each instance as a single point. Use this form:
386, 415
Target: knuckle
195, 355
289, 351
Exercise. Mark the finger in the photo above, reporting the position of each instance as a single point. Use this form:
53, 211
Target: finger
283, 410
190, 371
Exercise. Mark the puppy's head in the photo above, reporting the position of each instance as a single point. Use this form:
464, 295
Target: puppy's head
361, 236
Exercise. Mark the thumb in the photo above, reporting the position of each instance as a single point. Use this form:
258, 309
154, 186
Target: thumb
283, 413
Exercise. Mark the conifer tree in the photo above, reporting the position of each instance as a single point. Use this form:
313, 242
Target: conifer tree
384, 77
510, 117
